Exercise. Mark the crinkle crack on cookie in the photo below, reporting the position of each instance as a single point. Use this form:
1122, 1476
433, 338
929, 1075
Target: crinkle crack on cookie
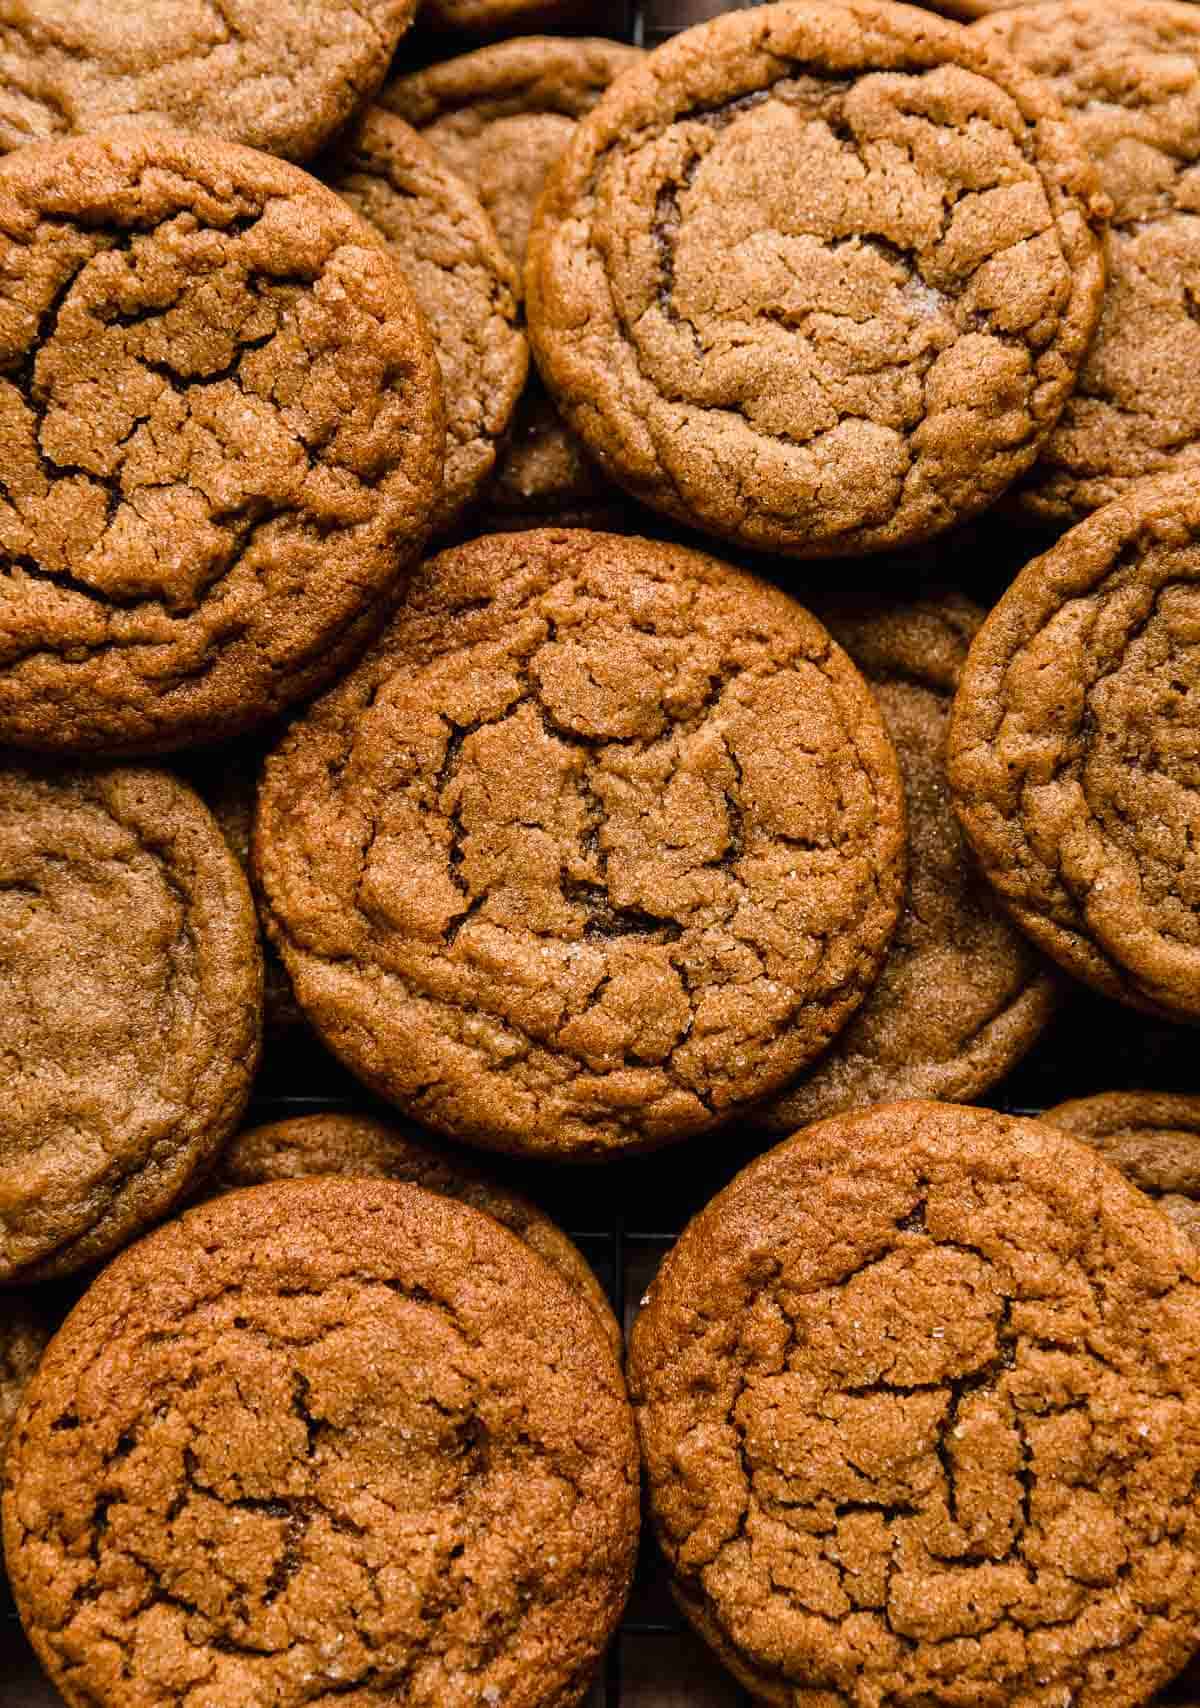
919, 1405
816, 277
1072, 751
602, 841
280, 75
332, 1440
221, 439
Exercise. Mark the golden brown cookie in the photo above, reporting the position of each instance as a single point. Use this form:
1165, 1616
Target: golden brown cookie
1128, 72
227, 782
1153, 1137
280, 75
817, 277
500, 117
462, 280
919, 1405
961, 996
601, 842
130, 1001
362, 1145
1072, 750
330, 1439
221, 439
25, 1328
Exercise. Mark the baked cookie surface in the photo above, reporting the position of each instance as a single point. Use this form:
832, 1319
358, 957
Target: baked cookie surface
1128, 73
220, 425
817, 278
599, 843
1072, 748
462, 280
130, 995
280, 75
1153, 1137
364, 1146
917, 1404
318, 1439
961, 996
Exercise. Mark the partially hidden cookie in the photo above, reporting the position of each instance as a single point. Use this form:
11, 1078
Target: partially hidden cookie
961, 996
1128, 73
227, 783
500, 117
361, 1145
130, 999
221, 435
817, 277
331, 1438
462, 280
25, 1329
280, 75
919, 1405
487, 17
1072, 748
601, 842
1153, 1137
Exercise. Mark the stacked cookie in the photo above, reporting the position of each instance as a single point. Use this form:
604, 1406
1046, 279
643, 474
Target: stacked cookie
569, 840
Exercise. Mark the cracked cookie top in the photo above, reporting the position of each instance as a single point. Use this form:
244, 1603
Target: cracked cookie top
280, 75
462, 280
130, 1000
961, 996
817, 277
1128, 73
1072, 751
601, 841
917, 1399
220, 438
362, 1145
1153, 1137
321, 1439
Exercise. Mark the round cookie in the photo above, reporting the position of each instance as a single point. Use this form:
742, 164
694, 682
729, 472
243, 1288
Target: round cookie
280, 75
817, 277
130, 1000
462, 280
1153, 1137
25, 1330
1128, 72
961, 996
361, 1145
227, 783
919, 1411
1072, 748
221, 434
331, 1437
602, 841
500, 117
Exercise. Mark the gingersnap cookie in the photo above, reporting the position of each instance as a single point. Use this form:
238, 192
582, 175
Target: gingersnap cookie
462, 280
817, 277
602, 841
500, 118
130, 998
1153, 1137
220, 427
281, 76
25, 1329
1072, 748
320, 1439
1128, 72
227, 783
961, 997
361, 1145
917, 1400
